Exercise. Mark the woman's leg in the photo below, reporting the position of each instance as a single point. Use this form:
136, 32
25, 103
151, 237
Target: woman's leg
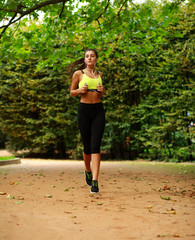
95, 165
84, 123
87, 161
96, 137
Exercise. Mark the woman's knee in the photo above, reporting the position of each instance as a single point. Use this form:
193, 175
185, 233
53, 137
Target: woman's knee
95, 148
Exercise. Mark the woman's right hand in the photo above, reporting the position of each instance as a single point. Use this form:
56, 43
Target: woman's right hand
83, 89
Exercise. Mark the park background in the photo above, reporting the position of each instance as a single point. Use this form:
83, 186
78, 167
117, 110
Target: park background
146, 53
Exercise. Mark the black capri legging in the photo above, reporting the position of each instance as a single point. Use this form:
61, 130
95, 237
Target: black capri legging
91, 121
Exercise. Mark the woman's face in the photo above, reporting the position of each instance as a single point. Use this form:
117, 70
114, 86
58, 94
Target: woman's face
90, 58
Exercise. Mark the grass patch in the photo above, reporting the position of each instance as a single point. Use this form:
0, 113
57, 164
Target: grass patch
164, 167
6, 158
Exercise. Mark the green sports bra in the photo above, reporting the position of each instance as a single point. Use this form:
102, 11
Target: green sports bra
91, 82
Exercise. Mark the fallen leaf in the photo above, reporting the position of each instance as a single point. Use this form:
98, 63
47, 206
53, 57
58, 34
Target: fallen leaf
20, 198
10, 197
2, 193
172, 212
18, 202
176, 235
48, 196
162, 235
77, 223
53, 186
165, 198
166, 188
12, 183
149, 207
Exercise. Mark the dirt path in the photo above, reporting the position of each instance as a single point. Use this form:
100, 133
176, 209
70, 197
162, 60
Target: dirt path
140, 201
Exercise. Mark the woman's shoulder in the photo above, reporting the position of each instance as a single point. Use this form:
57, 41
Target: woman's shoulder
77, 73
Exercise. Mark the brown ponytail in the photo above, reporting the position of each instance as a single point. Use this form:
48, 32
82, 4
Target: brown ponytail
80, 62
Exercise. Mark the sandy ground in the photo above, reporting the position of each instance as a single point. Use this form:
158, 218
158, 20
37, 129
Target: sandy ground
43, 200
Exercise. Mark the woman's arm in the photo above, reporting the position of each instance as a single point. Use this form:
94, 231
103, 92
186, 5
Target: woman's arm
74, 90
100, 87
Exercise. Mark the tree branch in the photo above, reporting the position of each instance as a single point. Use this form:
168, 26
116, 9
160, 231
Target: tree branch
104, 10
99, 25
43, 4
6, 26
121, 8
18, 10
62, 9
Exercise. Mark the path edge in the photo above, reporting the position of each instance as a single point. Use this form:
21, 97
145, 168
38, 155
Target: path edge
10, 161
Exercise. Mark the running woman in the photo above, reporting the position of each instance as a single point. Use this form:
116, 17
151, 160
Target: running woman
91, 116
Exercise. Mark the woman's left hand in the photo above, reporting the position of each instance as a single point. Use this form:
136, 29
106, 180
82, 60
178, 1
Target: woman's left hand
100, 88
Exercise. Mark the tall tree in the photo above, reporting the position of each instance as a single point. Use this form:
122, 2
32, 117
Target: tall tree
141, 56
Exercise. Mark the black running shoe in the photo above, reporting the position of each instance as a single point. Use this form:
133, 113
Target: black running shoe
94, 187
88, 177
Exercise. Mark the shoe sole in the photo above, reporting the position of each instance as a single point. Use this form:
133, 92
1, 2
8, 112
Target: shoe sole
94, 192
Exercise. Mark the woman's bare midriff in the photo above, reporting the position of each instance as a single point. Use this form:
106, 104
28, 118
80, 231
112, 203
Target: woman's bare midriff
91, 97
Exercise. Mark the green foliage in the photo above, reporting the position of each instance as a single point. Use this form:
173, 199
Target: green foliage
36, 108
146, 55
